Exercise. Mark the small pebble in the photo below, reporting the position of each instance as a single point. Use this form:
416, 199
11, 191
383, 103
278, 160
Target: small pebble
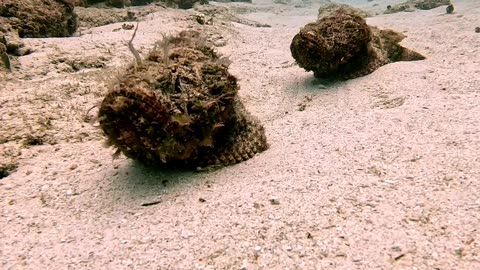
187, 234
450, 9
258, 248
220, 43
274, 201
477, 29
396, 248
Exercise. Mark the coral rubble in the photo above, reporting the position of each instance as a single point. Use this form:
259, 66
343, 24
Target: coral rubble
411, 5
328, 8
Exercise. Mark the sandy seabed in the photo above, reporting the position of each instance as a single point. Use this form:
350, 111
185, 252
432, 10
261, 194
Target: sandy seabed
379, 172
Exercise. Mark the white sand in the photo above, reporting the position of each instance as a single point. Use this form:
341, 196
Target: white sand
379, 172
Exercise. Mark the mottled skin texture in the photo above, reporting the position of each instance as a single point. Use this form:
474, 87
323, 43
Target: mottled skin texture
341, 45
179, 109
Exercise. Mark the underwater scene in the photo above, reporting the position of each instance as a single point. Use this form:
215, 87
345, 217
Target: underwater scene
240, 134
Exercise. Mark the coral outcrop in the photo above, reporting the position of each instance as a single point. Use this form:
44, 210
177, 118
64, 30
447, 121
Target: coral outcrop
179, 108
39, 18
430, 4
183, 4
11, 45
341, 45
411, 5
328, 8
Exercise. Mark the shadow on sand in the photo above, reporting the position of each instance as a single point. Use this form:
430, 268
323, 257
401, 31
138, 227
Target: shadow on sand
147, 184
